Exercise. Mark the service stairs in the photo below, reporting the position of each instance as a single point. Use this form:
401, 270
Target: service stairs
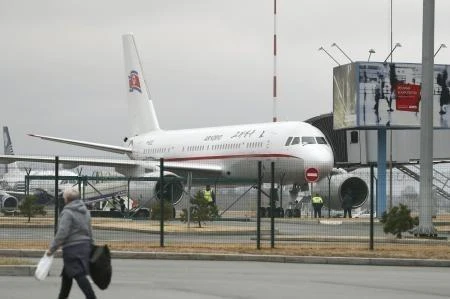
440, 181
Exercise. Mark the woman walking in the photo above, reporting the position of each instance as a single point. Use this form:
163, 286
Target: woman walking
74, 235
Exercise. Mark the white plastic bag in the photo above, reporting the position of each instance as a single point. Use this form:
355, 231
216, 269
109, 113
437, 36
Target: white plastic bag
43, 267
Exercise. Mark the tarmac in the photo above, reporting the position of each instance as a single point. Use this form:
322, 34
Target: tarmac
203, 279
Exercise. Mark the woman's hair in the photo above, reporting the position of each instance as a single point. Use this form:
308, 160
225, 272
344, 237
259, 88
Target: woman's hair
71, 194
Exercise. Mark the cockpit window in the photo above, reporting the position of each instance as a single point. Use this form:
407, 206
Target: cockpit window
288, 141
321, 140
296, 140
308, 140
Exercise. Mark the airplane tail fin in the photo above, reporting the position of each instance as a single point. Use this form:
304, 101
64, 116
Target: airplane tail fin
8, 150
7, 144
141, 113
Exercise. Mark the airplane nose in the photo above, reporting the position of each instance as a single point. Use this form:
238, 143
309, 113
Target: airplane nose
322, 158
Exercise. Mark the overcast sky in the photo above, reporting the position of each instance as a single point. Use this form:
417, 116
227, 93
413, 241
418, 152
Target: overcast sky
208, 62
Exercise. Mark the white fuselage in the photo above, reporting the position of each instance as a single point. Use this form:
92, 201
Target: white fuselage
15, 180
293, 146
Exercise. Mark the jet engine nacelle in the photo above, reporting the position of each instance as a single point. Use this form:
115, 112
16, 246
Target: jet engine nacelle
339, 184
147, 192
8, 202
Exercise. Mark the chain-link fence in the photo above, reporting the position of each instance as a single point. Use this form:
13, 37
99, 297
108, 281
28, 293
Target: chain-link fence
263, 210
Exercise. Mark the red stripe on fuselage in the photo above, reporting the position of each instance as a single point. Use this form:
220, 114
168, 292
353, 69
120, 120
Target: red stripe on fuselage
231, 157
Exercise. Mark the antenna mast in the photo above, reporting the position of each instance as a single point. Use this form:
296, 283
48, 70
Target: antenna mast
274, 60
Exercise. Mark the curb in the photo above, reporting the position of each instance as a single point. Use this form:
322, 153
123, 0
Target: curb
17, 270
282, 259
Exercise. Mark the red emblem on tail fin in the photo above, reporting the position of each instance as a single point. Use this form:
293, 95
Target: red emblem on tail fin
133, 81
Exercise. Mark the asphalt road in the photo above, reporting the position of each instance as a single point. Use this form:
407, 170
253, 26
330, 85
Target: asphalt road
215, 279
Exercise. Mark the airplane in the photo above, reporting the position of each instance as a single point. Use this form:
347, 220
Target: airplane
13, 181
222, 152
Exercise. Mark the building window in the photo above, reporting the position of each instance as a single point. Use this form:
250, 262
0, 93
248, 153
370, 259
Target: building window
354, 137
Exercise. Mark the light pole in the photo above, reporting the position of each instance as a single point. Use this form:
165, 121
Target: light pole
440, 47
371, 51
322, 49
336, 45
397, 45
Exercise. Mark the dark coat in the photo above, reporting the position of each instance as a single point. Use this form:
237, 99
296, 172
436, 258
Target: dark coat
76, 259
347, 202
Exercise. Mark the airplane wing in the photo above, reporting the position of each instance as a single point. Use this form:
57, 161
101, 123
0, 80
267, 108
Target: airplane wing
97, 146
6, 159
72, 162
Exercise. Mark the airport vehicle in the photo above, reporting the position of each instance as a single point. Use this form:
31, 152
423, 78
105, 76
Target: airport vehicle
363, 214
295, 147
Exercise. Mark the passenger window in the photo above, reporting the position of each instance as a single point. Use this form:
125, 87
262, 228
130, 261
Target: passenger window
296, 140
321, 140
288, 141
308, 140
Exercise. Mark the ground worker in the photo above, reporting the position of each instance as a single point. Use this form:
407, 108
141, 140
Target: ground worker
317, 204
209, 195
347, 204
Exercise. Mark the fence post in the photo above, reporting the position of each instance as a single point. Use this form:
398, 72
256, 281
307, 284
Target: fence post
258, 209
189, 182
56, 193
161, 201
272, 205
128, 196
27, 181
371, 206
329, 194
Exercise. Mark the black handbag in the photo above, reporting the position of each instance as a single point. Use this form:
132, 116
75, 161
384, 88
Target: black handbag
100, 266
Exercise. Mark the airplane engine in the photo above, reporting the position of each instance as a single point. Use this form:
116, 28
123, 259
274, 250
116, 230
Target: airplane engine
149, 191
339, 183
8, 202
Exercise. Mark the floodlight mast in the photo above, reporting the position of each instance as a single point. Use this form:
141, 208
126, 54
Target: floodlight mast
336, 45
329, 55
274, 84
397, 45
440, 47
426, 227
371, 51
